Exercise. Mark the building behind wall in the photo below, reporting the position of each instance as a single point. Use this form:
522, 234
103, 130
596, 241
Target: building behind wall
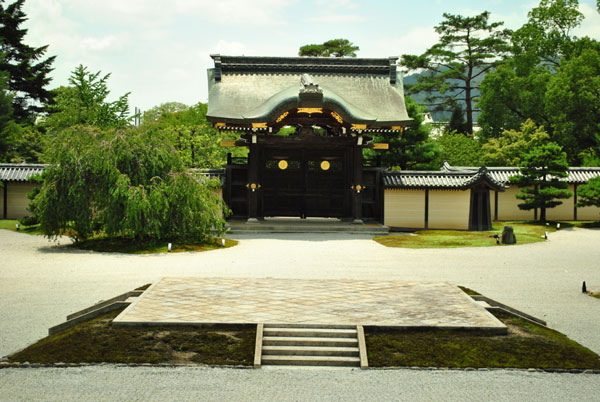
469, 198
16, 183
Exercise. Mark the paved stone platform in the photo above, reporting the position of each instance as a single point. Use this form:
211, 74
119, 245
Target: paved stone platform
197, 301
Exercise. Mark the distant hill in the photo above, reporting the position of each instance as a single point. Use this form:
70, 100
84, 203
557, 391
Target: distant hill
440, 115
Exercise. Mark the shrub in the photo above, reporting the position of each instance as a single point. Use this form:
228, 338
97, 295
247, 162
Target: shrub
124, 183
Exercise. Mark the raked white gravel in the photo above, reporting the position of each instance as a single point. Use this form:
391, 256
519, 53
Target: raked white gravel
41, 283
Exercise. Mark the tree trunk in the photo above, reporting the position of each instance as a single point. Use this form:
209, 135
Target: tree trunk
468, 101
543, 214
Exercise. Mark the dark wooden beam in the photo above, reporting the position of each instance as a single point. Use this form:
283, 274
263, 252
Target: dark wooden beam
575, 202
495, 205
357, 167
253, 181
426, 208
5, 201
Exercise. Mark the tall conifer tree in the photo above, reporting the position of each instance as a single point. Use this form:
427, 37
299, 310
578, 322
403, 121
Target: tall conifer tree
28, 70
468, 48
540, 180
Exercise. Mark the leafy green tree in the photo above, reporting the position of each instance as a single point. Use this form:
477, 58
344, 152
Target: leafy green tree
334, 47
547, 33
27, 69
589, 193
126, 183
6, 114
162, 111
412, 149
468, 48
517, 89
84, 102
28, 144
458, 149
510, 95
573, 105
540, 179
508, 149
187, 129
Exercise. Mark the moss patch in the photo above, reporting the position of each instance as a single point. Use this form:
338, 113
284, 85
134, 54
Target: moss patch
96, 341
526, 346
525, 232
11, 224
468, 291
130, 246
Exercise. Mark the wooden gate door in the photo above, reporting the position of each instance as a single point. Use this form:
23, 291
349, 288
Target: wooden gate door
304, 183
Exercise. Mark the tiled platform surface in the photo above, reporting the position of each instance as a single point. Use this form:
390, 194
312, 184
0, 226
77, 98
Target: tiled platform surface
294, 301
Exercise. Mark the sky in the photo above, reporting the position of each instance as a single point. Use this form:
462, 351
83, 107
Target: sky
160, 50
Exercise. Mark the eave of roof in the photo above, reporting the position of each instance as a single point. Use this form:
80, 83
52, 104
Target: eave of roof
502, 174
440, 180
327, 65
11, 172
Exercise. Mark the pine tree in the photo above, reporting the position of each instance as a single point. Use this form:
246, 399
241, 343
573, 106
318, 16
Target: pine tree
28, 70
334, 47
468, 48
412, 149
540, 178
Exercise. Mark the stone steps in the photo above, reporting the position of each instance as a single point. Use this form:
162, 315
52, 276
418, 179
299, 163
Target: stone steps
289, 360
310, 350
310, 341
300, 226
308, 345
311, 332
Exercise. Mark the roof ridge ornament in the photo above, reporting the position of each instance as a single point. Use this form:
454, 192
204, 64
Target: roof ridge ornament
309, 85
393, 68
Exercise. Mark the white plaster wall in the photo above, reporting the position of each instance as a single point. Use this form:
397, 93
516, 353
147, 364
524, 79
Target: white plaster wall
17, 200
404, 208
508, 209
449, 209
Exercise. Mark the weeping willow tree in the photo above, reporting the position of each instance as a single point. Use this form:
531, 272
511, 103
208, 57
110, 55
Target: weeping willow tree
126, 183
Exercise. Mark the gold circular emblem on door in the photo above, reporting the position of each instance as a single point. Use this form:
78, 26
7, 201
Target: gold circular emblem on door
282, 164
325, 165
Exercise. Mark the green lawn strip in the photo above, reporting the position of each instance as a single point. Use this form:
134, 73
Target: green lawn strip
468, 291
96, 341
127, 246
526, 346
11, 224
578, 224
525, 232
131, 246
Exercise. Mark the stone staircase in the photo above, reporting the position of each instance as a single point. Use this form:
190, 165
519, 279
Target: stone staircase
309, 225
310, 345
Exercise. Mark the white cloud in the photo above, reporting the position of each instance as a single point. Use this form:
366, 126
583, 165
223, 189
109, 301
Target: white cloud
337, 18
414, 41
95, 44
590, 26
155, 12
336, 4
230, 48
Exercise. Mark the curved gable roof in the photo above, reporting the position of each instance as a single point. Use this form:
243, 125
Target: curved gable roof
258, 89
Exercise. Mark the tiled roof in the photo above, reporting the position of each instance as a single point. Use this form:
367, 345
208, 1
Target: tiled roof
243, 90
440, 179
19, 171
348, 65
576, 175
211, 173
